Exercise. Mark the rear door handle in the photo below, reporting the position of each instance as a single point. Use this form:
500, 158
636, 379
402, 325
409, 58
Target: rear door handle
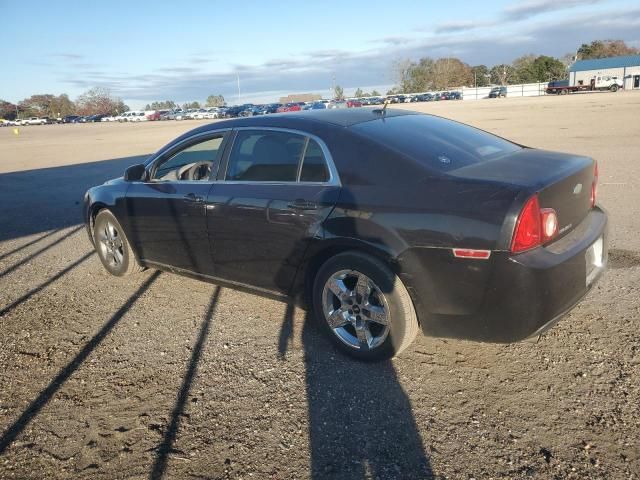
193, 198
300, 204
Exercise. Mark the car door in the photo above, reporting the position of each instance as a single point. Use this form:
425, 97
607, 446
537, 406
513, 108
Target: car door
167, 211
276, 189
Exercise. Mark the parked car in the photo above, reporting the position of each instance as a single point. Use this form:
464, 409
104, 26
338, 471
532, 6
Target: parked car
199, 114
251, 111
271, 108
455, 95
235, 110
291, 107
33, 121
137, 117
174, 115
212, 112
70, 118
424, 97
95, 118
337, 104
448, 229
152, 115
497, 92
126, 116
354, 103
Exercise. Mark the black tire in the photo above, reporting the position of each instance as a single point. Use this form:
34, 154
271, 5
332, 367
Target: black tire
614, 88
564, 91
128, 263
403, 322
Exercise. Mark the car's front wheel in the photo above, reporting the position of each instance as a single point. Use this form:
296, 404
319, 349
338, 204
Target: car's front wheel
364, 306
112, 245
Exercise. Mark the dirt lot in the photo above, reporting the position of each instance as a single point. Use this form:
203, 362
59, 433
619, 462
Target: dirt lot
157, 375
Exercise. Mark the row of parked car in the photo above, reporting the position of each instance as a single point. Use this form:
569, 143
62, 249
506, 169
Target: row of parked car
245, 110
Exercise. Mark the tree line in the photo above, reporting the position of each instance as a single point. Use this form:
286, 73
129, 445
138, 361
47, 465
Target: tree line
444, 73
97, 100
93, 101
212, 101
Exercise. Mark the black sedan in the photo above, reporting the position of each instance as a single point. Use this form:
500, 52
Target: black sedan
385, 222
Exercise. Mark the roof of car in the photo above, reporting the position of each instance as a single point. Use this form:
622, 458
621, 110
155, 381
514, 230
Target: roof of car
337, 118
343, 117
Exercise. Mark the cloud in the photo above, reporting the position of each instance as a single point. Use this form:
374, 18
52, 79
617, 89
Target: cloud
530, 8
196, 60
396, 40
513, 13
178, 69
462, 26
67, 56
314, 71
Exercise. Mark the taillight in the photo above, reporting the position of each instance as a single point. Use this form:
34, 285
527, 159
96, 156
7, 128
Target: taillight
527, 233
534, 226
594, 185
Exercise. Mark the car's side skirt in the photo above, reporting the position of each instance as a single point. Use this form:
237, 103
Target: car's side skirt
272, 294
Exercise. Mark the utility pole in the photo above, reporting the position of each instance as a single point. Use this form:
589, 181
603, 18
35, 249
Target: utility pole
238, 77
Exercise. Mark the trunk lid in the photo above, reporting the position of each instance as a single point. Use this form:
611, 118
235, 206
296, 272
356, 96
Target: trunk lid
563, 181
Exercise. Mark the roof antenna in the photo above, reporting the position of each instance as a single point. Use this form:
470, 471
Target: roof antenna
383, 110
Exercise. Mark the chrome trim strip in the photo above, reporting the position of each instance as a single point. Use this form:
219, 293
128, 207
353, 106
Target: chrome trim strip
301, 160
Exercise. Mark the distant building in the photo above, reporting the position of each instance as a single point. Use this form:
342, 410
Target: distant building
300, 97
626, 68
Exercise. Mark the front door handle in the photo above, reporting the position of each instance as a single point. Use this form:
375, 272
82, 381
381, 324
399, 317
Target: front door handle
300, 204
193, 198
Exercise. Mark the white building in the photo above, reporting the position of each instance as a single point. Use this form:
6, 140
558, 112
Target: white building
626, 68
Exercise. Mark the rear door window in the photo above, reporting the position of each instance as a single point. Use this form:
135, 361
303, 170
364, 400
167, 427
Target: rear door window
265, 156
314, 165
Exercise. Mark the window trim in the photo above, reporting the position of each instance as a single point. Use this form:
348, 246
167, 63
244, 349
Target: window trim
183, 145
334, 179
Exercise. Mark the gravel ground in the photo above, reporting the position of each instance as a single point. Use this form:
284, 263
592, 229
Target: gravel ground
162, 376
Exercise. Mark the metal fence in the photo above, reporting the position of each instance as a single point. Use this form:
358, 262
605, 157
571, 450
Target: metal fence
522, 90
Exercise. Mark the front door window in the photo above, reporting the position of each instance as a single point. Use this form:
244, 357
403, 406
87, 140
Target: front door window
196, 162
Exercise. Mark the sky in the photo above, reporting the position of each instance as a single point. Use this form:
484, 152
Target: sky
186, 50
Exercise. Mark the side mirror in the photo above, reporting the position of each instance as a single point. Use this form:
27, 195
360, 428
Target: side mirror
134, 173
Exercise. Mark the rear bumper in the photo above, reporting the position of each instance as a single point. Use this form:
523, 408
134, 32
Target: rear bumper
526, 294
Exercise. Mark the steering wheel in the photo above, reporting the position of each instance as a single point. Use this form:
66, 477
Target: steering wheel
195, 171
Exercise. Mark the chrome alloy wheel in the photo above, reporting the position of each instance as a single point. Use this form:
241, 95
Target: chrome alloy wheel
111, 247
356, 310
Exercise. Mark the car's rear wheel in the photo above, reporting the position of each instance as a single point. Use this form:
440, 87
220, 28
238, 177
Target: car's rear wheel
364, 307
112, 246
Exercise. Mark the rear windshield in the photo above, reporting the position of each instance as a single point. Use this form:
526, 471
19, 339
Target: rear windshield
437, 143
